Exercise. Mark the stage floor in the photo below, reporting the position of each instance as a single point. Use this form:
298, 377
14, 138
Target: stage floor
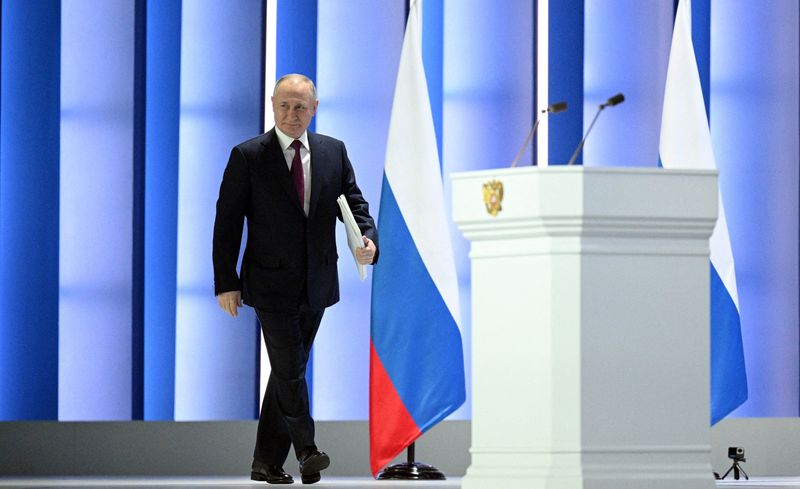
215, 482
337, 482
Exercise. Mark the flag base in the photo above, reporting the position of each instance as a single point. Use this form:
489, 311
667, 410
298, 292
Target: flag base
411, 471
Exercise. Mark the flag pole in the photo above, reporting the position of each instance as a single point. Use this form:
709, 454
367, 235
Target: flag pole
411, 469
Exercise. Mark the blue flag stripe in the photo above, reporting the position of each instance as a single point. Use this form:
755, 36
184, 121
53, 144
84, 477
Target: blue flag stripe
728, 375
413, 332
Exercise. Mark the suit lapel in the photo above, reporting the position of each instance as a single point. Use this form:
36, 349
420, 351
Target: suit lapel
276, 168
318, 157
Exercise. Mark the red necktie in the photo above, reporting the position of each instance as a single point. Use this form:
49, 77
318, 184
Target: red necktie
297, 172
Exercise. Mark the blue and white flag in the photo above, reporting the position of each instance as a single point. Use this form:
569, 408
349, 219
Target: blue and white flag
686, 143
416, 359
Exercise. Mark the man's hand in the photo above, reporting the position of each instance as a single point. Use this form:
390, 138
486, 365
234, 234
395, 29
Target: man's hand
230, 302
365, 255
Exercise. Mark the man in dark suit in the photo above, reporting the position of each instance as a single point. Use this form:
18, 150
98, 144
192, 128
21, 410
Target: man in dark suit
285, 183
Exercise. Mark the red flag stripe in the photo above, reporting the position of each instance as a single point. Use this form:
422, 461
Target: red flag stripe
391, 427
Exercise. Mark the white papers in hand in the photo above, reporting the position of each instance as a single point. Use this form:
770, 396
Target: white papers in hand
353, 234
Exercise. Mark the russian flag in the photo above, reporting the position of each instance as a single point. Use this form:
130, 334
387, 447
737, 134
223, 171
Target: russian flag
416, 358
686, 143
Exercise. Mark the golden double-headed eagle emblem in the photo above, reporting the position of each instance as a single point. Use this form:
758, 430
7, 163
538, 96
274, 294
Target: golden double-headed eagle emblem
493, 196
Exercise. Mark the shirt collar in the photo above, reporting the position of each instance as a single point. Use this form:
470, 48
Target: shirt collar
285, 141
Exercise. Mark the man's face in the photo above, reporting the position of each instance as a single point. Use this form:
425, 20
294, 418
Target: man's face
293, 107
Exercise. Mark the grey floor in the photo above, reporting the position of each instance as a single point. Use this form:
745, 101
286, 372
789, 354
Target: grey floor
209, 482
338, 482
762, 483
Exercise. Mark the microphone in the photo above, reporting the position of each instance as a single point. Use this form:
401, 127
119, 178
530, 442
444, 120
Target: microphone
615, 100
554, 108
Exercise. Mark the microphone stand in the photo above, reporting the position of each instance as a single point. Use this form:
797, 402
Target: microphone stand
527, 140
616, 99
554, 108
580, 146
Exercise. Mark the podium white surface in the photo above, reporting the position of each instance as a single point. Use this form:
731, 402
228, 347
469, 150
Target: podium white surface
590, 327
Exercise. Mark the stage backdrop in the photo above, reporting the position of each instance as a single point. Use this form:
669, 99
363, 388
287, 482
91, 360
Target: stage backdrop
117, 117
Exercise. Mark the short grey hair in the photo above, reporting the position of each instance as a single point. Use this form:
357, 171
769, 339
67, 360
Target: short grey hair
303, 78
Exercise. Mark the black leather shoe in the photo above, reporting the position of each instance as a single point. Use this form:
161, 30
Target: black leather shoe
310, 478
312, 463
271, 474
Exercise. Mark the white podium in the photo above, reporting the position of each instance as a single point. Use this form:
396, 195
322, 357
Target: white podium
590, 326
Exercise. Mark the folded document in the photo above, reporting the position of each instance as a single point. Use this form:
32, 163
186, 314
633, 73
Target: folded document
353, 234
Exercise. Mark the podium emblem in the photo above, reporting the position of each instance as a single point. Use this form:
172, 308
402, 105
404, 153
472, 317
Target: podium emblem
493, 196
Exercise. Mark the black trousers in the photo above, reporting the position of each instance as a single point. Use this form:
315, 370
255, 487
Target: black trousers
285, 415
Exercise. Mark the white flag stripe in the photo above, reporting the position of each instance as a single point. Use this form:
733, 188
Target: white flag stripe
413, 171
722, 254
685, 137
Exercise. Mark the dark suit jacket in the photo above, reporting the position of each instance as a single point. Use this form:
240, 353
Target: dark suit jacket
287, 254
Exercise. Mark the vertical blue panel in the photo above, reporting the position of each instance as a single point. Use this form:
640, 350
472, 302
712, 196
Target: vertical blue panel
356, 75
701, 39
221, 104
297, 40
29, 157
296, 52
534, 144
627, 50
488, 105
432, 58
161, 205
754, 128
565, 77
95, 307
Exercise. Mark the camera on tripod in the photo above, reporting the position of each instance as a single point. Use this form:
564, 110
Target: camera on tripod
736, 454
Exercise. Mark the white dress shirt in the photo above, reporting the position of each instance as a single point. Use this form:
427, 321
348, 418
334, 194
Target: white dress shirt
305, 157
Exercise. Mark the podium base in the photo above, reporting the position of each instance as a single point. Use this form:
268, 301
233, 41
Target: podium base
411, 471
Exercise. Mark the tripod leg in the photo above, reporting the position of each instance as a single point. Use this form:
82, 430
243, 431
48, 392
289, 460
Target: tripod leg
736, 472
745, 473
728, 472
